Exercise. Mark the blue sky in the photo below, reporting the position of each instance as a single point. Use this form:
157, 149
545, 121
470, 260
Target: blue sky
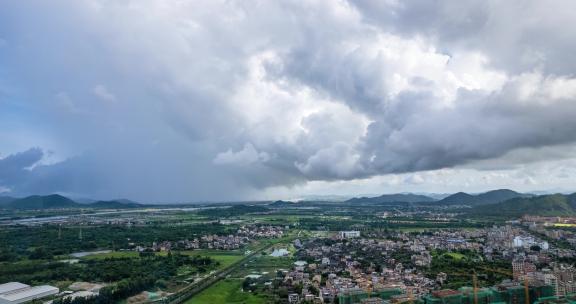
159, 100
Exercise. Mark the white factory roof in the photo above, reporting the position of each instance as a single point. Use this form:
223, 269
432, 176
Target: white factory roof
30, 292
17, 292
12, 286
300, 263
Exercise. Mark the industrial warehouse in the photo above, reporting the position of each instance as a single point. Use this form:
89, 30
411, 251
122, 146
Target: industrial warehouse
14, 292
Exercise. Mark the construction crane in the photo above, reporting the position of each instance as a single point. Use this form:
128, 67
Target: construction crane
368, 290
526, 285
410, 296
475, 286
526, 291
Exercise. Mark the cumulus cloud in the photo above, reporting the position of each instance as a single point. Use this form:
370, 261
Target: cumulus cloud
248, 155
159, 100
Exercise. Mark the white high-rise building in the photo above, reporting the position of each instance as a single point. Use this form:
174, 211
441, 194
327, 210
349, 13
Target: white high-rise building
552, 280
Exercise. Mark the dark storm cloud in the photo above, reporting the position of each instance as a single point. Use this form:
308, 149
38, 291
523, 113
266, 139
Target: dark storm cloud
15, 168
159, 100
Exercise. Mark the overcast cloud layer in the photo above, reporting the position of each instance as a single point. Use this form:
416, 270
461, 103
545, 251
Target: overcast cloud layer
161, 100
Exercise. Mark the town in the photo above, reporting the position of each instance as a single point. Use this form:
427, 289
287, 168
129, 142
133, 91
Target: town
282, 252
287, 152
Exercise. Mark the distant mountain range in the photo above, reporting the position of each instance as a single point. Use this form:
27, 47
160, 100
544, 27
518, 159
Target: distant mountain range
545, 205
490, 197
41, 202
501, 202
393, 198
460, 198
56, 201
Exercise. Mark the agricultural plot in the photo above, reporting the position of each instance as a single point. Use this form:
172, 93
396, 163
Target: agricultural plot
228, 291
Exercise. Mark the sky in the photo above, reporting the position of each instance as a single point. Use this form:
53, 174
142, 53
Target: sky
192, 100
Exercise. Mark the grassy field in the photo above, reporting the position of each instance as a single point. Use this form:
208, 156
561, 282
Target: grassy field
225, 258
228, 291
455, 255
264, 264
113, 254
564, 225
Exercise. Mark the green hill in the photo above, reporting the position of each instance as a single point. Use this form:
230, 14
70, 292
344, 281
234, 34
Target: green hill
392, 198
281, 204
56, 201
53, 201
545, 205
114, 204
459, 198
490, 197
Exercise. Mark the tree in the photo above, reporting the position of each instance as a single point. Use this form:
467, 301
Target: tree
246, 284
40, 253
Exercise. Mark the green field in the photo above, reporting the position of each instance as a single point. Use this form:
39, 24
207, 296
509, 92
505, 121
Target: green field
455, 255
226, 258
113, 254
263, 264
227, 291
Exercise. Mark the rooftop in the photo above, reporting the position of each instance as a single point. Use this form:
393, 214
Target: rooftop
12, 286
18, 292
24, 293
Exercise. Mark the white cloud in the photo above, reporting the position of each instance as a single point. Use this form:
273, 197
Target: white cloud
247, 156
353, 92
415, 179
103, 93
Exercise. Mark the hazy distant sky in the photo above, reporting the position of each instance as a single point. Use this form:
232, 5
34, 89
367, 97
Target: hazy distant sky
188, 100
